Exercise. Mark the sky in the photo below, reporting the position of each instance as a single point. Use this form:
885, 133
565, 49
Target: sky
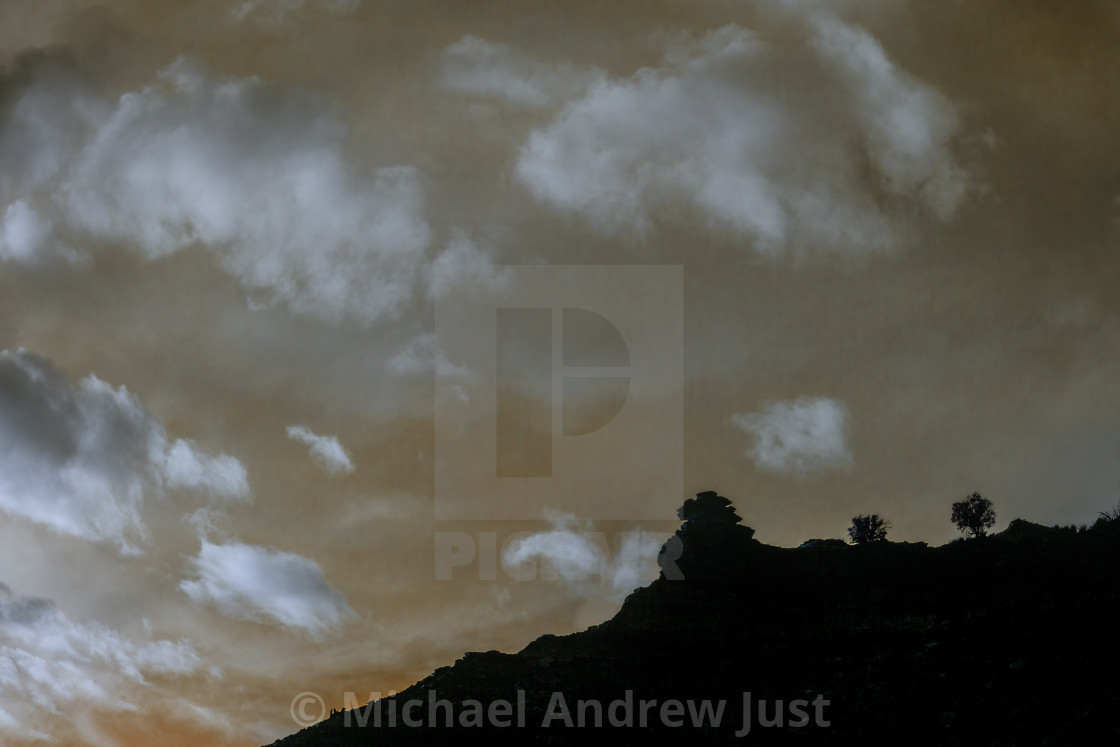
258, 441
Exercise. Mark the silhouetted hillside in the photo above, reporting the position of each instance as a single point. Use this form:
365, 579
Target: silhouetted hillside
1008, 639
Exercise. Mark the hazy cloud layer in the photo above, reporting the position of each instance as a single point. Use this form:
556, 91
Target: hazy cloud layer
479, 68
462, 267
715, 127
255, 173
50, 664
808, 434
326, 450
266, 585
421, 355
83, 460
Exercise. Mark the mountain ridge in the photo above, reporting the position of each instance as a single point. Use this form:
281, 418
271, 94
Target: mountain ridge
957, 644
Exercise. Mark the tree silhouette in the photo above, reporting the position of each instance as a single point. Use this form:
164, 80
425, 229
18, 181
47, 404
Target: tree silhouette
867, 529
974, 515
1111, 515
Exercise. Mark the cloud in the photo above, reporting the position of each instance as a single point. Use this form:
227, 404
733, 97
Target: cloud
906, 125
478, 68
326, 450
275, 11
263, 584
26, 237
837, 167
808, 434
635, 564
422, 356
82, 460
252, 172
574, 555
50, 664
461, 270
187, 468
462, 267
40, 135
206, 522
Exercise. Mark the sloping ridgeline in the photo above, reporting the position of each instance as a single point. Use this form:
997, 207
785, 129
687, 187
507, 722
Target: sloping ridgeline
1010, 639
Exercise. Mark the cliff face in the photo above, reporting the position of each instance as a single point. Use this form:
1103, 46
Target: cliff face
1008, 639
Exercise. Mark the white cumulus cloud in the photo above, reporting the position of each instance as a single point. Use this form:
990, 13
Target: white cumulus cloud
808, 434
715, 127
264, 584
574, 556
254, 173
222, 475
327, 450
82, 460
